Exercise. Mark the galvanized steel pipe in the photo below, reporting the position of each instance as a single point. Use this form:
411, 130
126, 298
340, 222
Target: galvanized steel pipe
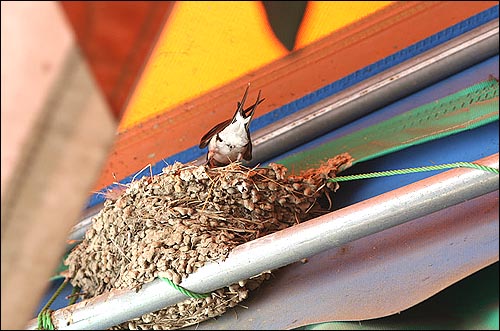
363, 98
375, 92
287, 246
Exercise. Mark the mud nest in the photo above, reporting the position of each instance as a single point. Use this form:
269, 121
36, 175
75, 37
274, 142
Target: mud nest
171, 224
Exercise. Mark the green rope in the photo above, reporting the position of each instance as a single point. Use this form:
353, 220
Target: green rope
45, 321
412, 170
184, 291
44, 317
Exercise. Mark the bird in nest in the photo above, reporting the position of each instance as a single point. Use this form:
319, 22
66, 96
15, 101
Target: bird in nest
230, 141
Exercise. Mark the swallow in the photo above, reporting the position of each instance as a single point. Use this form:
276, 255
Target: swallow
230, 141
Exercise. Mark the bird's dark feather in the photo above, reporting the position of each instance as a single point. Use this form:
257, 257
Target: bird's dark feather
248, 152
213, 131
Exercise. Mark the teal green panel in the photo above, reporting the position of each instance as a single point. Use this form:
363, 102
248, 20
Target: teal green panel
464, 110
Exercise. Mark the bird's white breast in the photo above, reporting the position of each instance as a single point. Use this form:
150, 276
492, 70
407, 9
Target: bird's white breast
234, 139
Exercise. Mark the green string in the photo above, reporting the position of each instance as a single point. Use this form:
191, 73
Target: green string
44, 317
45, 321
412, 170
184, 291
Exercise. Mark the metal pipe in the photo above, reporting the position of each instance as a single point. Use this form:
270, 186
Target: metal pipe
378, 91
365, 97
289, 245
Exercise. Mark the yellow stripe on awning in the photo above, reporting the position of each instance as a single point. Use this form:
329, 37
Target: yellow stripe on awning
208, 44
324, 17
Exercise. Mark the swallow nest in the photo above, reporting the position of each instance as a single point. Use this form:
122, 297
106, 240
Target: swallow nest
171, 224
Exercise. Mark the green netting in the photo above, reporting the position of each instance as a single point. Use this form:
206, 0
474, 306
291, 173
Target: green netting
467, 109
